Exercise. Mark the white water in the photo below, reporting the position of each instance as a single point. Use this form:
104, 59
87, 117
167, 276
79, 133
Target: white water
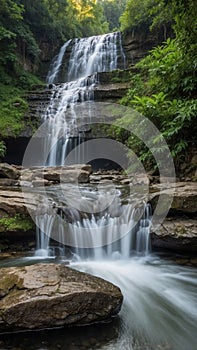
95, 54
159, 309
118, 231
56, 65
88, 57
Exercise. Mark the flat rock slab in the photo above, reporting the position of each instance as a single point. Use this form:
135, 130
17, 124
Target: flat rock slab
50, 295
45, 176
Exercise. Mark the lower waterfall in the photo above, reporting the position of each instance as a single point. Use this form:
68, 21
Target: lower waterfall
158, 311
97, 236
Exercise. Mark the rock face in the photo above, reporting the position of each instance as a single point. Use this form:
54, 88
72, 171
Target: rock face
178, 232
49, 295
184, 197
138, 41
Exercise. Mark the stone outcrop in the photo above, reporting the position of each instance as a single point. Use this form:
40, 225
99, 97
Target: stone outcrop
38, 100
49, 295
178, 232
112, 91
13, 202
8, 171
138, 41
44, 176
184, 197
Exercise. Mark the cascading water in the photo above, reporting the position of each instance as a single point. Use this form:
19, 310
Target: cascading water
56, 65
119, 231
88, 57
159, 310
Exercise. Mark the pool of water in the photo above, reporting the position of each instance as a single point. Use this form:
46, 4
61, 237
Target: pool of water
158, 313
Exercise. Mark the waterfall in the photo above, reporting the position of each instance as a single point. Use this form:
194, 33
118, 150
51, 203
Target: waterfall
115, 232
94, 54
121, 230
158, 309
56, 65
88, 57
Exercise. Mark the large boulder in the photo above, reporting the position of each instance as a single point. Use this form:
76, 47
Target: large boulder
176, 234
50, 295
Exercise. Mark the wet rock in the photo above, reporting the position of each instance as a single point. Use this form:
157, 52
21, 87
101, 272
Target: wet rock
49, 295
176, 234
137, 42
13, 202
40, 182
8, 171
8, 182
112, 91
184, 198
44, 176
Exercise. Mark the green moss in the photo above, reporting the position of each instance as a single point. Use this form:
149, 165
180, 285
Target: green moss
13, 104
12, 110
8, 282
180, 230
16, 223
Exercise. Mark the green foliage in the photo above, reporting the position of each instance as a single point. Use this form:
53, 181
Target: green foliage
113, 9
12, 110
10, 17
164, 90
16, 223
25, 25
145, 13
168, 68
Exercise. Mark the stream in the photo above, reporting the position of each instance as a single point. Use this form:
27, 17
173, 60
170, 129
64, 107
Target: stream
158, 312
159, 308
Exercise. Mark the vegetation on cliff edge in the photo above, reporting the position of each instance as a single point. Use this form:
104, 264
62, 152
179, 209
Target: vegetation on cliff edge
164, 89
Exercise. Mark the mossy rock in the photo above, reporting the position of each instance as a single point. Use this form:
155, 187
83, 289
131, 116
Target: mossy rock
16, 223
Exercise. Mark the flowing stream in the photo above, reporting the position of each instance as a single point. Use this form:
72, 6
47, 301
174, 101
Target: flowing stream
159, 309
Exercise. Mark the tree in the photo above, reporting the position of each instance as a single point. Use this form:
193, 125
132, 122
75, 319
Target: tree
11, 15
113, 9
146, 13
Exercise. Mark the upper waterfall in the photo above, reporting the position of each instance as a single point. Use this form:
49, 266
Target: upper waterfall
87, 57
